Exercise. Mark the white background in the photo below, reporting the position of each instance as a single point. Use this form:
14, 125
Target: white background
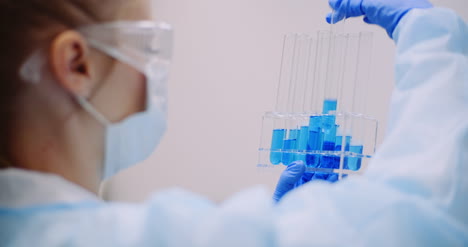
224, 77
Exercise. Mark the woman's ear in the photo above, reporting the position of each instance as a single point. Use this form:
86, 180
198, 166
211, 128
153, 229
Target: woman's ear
69, 60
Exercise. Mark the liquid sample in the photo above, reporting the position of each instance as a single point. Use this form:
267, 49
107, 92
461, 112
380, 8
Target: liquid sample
302, 142
314, 141
276, 145
338, 148
329, 137
329, 105
354, 163
333, 178
339, 143
290, 144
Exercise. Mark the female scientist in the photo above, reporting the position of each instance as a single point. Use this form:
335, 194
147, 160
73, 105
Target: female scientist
82, 91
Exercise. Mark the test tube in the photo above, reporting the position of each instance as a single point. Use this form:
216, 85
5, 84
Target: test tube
362, 72
320, 69
334, 72
310, 72
277, 145
301, 63
360, 96
315, 137
334, 67
286, 73
296, 97
332, 89
302, 140
347, 86
289, 146
283, 92
348, 78
305, 57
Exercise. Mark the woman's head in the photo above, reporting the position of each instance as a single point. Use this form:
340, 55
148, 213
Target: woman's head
42, 122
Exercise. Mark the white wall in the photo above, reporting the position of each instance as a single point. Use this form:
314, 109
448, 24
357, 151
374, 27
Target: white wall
224, 77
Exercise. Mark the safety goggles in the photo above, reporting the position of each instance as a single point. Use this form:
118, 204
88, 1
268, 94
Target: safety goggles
138, 43
144, 45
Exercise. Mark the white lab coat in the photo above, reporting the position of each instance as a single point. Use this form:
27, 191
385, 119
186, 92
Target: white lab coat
415, 192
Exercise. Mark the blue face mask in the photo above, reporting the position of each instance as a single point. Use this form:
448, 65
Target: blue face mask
147, 47
134, 139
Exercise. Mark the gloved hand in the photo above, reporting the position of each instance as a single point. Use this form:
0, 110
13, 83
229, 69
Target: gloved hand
295, 176
385, 13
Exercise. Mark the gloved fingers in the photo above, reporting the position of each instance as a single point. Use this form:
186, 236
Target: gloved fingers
332, 178
288, 179
307, 176
344, 9
366, 20
334, 4
334, 17
320, 176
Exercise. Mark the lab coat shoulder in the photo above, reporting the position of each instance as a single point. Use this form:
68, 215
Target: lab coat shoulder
425, 149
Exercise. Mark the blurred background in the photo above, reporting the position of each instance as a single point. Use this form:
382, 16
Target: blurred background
224, 77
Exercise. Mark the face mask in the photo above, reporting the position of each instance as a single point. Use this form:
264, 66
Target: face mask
132, 140
145, 46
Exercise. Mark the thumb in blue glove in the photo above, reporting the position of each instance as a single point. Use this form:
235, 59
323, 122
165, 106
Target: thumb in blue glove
288, 179
385, 13
295, 175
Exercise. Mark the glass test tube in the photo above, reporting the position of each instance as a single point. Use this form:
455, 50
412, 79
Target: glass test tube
334, 67
348, 79
279, 128
315, 138
294, 140
286, 73
360, 96
347, 86
320, 69
302, 58
362, 72
310, 71
332, 88
306, 57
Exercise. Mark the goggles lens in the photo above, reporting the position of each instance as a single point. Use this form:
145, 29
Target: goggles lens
144, 45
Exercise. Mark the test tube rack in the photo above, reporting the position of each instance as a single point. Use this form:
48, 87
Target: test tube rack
320, 116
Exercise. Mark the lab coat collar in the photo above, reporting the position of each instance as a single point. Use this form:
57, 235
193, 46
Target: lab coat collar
21, 188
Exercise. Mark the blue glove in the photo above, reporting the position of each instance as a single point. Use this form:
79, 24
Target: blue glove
385, 13
295, 175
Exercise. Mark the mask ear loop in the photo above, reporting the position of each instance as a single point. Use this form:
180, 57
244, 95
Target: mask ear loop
32, 69
91, 110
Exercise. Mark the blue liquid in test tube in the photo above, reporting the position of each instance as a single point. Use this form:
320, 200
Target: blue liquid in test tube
338, 145
277, 144
329, 137
354, 163
290, 144
328, 128
302, 142
329, 105
314, 141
